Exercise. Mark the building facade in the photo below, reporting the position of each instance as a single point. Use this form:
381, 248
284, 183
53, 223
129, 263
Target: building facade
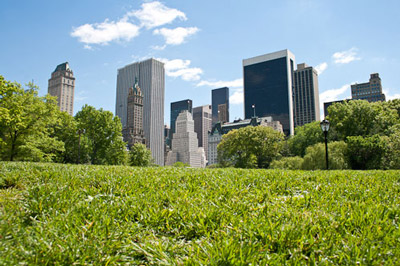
62, 85
185, 144
219, 129
305, 95
151, 76
202, 124
220, 105
176, 109
268, 85
370, 91
133, 131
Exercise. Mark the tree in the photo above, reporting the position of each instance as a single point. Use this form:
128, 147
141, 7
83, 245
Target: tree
75, 141
304, 136
250, 147
361, 118
366, 152
391, 159
104, 134
289, 163
139, 155
314, 158
25, 124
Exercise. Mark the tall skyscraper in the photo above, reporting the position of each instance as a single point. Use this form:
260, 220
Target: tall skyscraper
202, 124
151, 76
370, 91
305, 95
133, 132
62, 85
185, 144
268, 87
220, 97
176, 109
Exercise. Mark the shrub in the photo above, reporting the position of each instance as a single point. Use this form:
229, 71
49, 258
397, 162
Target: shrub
290, 163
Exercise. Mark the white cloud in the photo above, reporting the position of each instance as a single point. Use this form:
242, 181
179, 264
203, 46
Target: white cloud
321, 68
175, 36
390, 96
218, 84
151, 14
346, 57
156, 14
236, 97
105, 32
181, 68
332, 95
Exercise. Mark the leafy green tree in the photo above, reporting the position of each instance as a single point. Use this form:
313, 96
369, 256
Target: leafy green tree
391, 159
366, 152
139, 155
289, 163
104, 135
25, 124
314, 158
361, 118
304, 136
250, 147
75, 140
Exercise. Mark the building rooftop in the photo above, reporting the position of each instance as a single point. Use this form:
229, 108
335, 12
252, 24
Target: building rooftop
62, 67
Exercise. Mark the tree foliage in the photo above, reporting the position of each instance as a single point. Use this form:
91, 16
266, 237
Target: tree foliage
250, 147
305, 136
289, 163
26, 121
139, 155
361, 118
315, 156
104, 136
366, 152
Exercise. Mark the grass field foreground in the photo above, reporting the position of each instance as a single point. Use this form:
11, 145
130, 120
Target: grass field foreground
105, 215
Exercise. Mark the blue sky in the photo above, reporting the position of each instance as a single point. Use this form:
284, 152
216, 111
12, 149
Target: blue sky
202, 43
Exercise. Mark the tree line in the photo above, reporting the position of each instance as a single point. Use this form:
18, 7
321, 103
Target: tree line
32, 128
362, 135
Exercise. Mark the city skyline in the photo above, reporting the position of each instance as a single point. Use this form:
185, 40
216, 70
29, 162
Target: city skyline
199, 54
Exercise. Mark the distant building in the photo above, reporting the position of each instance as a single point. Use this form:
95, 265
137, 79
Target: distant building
167, 143
151, 75
268, 85
133, 131
305, 95
327, 104
219, 129
185, 144
176, 109
62, 85
370, 91
202, 124
220, 97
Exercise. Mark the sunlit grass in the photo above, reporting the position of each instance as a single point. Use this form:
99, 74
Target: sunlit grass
64, 214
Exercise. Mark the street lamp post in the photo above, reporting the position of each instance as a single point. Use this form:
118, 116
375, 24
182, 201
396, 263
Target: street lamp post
325, 128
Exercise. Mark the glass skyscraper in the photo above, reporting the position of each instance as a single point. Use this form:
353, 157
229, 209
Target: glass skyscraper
220, 102
151, 77
268, 87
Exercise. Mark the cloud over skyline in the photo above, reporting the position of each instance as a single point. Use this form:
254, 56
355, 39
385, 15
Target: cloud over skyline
181, 68
346, 57
175, 36
321, 68
151, 15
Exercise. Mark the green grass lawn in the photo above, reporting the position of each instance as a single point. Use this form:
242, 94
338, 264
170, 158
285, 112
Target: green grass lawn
105, 215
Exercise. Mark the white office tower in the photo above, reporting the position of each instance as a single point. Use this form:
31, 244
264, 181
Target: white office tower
151, 76
185, 146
